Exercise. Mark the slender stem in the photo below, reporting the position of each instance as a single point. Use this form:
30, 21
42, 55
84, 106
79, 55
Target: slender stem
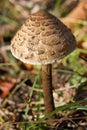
47, 89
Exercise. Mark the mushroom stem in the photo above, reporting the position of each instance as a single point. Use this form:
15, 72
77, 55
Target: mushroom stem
47, 89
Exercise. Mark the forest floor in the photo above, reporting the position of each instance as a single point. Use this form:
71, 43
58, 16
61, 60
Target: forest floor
21, 95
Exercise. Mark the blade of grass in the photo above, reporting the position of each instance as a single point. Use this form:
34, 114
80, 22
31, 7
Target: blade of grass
80, 107
30, 96
72, 20
6, 19
5, 64
68, 106
70, 72
4, 124
58, 2
62, 108
82, 50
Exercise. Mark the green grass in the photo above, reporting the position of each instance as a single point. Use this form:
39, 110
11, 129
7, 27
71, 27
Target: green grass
40, 125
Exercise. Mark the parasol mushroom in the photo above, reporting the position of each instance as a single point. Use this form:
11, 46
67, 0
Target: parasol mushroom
43, 39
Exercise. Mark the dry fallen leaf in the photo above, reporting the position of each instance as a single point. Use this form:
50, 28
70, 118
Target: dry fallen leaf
79, 12
6, 84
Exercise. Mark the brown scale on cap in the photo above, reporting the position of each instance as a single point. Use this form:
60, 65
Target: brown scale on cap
42, 39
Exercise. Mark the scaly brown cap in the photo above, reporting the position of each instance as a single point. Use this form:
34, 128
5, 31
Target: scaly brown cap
42, 39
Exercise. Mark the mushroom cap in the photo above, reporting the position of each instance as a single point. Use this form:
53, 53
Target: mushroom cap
42, 39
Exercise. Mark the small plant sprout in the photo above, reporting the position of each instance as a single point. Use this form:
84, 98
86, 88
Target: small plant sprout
43, 39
